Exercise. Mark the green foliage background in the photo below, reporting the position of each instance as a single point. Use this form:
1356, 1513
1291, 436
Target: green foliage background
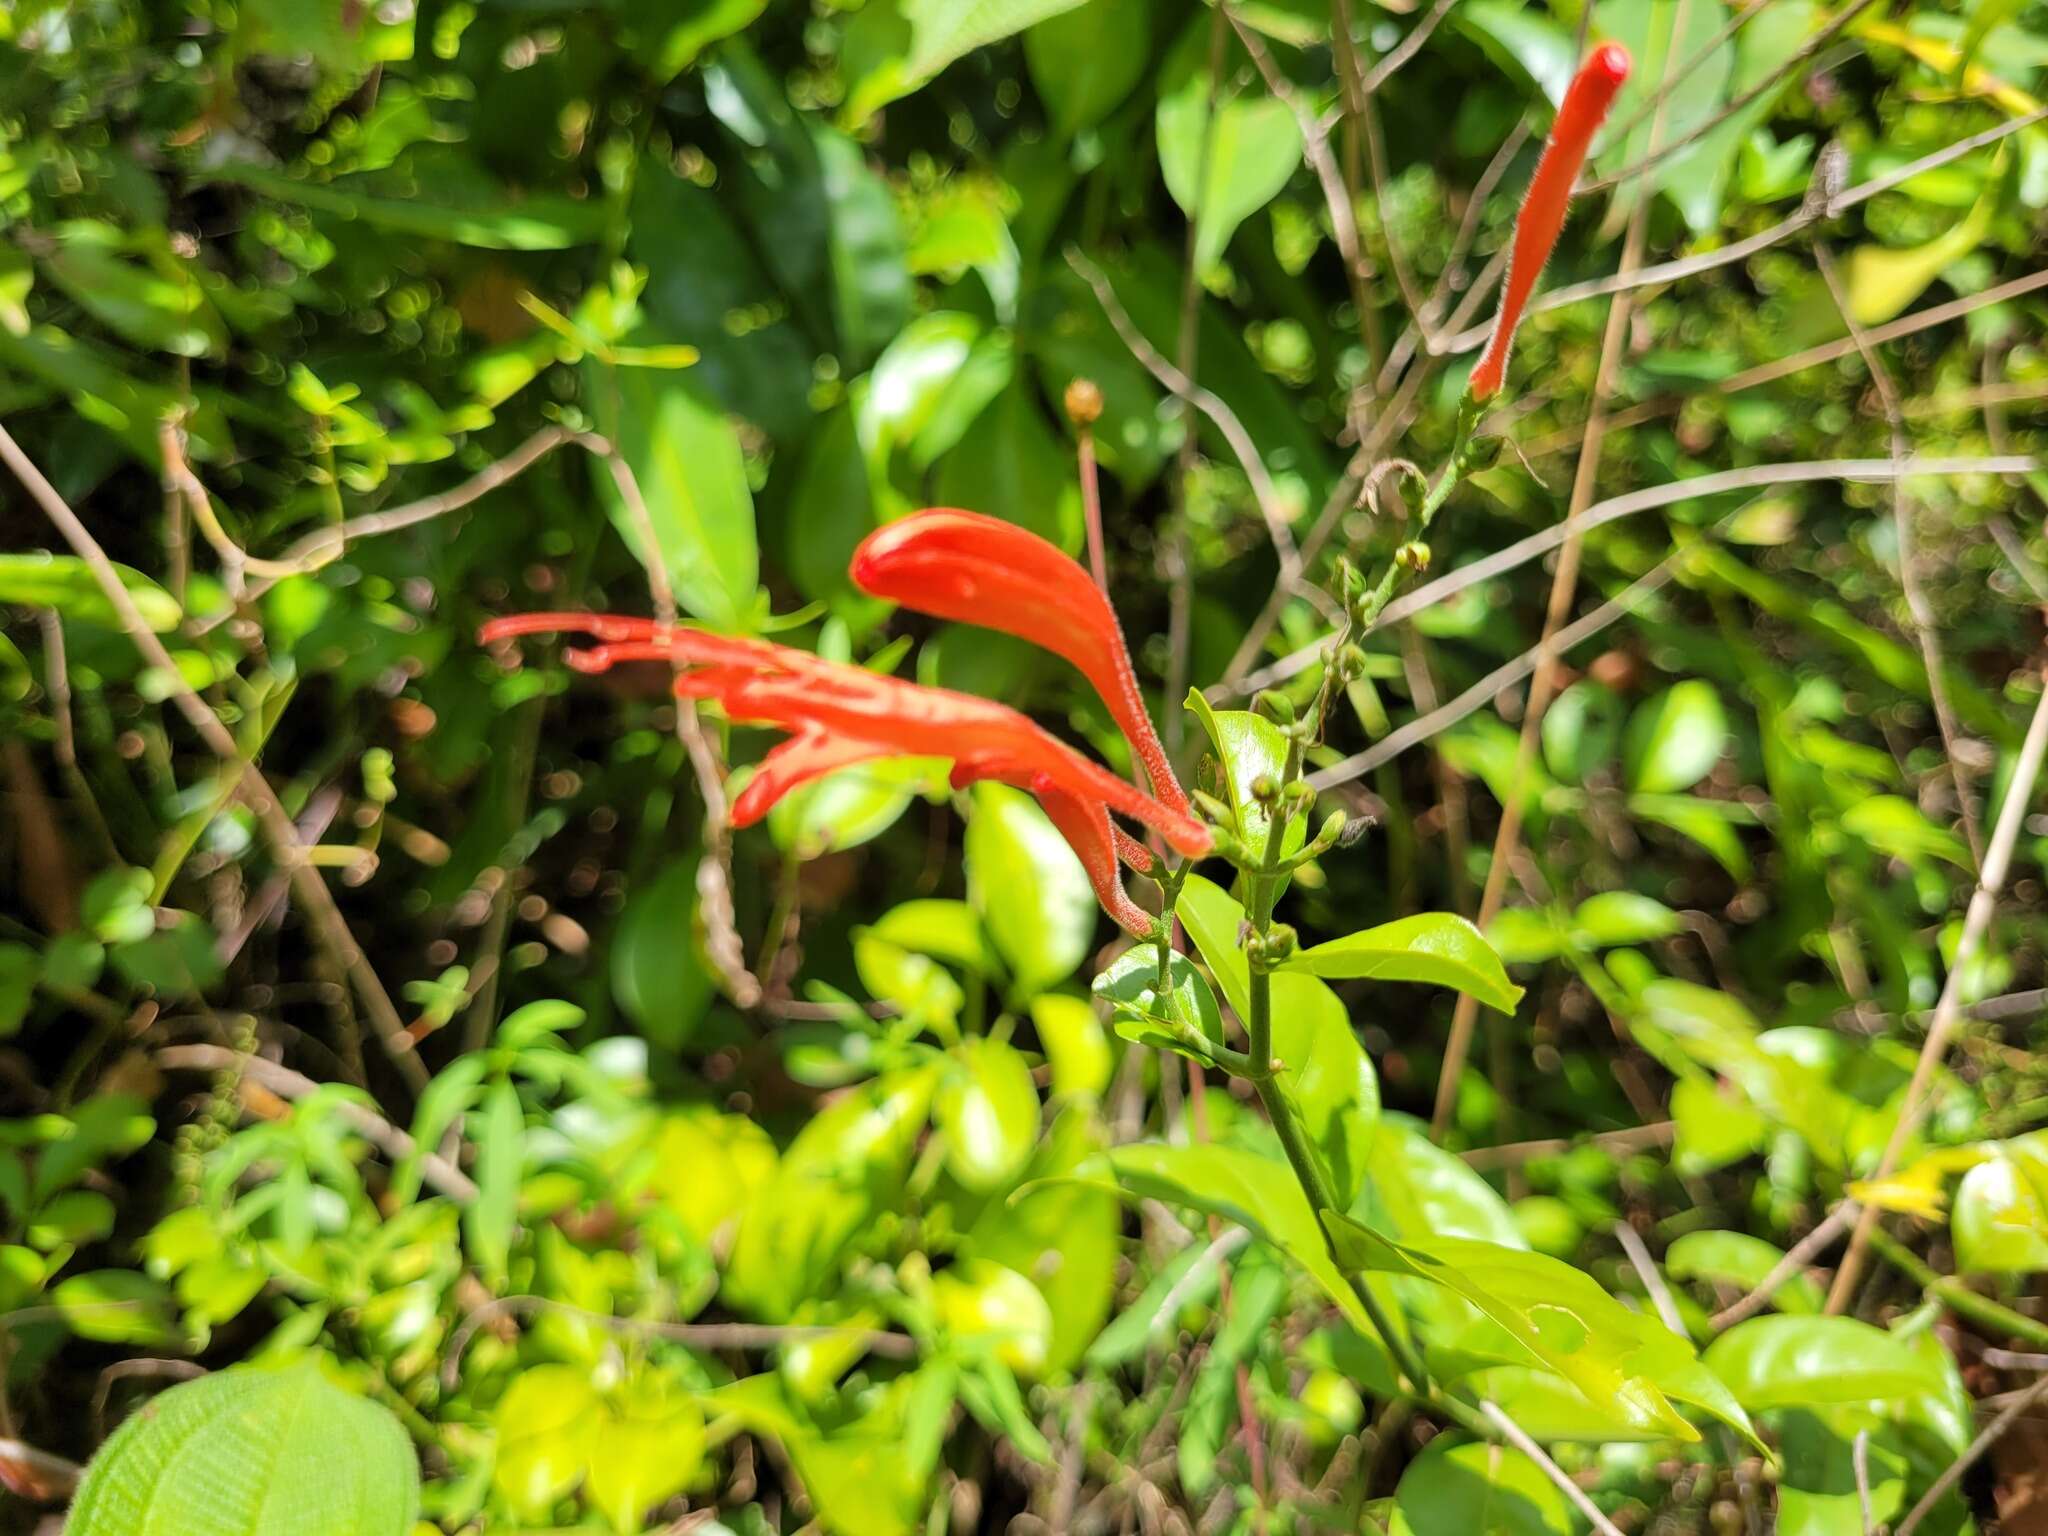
271, 268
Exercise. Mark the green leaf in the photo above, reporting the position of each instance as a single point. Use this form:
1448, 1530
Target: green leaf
687, 29
546, 1424
945, 930
1523, 40
920, 988
1884, 281
647, 1447
685, 454
67, 584
853, 806
1222, 173
1031, 891
1213, 919
987, 1109
1619, 1359
115, 1306
251, 1452
20, 967
1474, 1486
658, 971
1075, 1044
1258, 1293
1895, 826
540, 222
1745, 1262
1712, 1128
1249, 747
1622, 917
1581, 731
1527, 935
871, 288
1258, 1193
1086, 60
1436, 947
2000, 1217
1184, 1021
900, 44
1790, 1362
489, 1219
845, 1165
990, 1306
1710, 823
1063, 1232
1675, 739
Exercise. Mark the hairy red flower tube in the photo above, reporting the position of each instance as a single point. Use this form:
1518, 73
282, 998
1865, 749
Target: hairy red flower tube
837, 716
1585, 107
975, 569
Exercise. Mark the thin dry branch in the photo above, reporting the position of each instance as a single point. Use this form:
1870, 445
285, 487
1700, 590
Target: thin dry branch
1535, 545
330, 928
1520, 1439
1973, 1453
1271, 507
1795, 1259
389, 1139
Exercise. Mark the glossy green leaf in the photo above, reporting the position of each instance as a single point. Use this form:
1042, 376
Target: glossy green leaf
1884, 281
1527, 935
1436, 947
1220, 168
1457, 1488
1258, 1193
1030, 890
538, 223
1790, 1362
114, 1306
1186, 1020
916, 985
252, 1452
648, 1446
547, 1424
1618, 1358
1623, 917
1896, 827
906, 42
987, 1109
1712, 1127
1086, 60
1675, 739
1249, 748
853, 806
1742, 1261
685, 455
847, 1163
67, 584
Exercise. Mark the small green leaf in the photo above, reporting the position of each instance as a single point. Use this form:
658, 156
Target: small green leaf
115, 1306
2000, 1217
1249, 747
1675, 739
67, 584
1895, 826
1075, 1044
1435, 947
1745, 1262
658, 971
987, 1108
1031, 891
1622, 917
1183, 1021
692, 477
1221, 168
1085, 61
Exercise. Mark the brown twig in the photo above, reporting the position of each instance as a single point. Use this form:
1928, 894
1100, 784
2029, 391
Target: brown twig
329, 926
1795, 1260
1635, 1138
1972, 1454
387, 1138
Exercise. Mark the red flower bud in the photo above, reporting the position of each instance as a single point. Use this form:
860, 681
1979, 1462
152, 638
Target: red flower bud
981, 570
1585, 107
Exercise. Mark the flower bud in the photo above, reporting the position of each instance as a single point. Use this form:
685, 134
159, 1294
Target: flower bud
1276, 704
1412, 556
1265, 789
1083, 401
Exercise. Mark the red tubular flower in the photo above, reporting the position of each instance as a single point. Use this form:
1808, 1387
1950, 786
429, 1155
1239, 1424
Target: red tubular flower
1585, 107
981, 570
838, 716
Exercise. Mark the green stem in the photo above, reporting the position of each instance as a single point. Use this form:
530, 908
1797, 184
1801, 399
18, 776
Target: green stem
1956, 1296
